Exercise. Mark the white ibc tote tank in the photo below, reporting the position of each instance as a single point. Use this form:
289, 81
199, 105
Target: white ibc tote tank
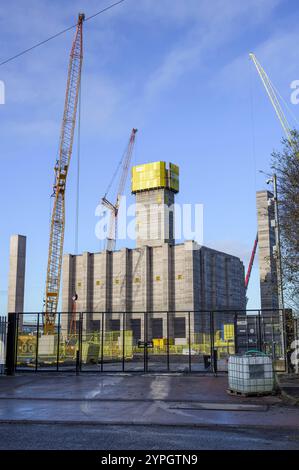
251, 373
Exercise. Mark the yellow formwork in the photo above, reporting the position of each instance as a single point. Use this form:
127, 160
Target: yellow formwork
155, 175
148, 176
174, 173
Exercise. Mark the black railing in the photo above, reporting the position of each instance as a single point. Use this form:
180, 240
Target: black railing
185, 341
3, 336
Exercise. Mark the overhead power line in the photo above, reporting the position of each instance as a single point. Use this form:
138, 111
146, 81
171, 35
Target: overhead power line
41, 43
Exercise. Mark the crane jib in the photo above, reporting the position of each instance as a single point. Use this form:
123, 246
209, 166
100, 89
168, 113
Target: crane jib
114, 208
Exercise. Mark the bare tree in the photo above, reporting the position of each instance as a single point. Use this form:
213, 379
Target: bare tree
285, 164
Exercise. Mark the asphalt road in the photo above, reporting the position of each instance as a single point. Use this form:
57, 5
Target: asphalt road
87, 437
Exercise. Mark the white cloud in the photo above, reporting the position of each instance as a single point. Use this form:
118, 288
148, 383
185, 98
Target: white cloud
213, 27
215, 13
35, 83
102, 100
176, 63
37, 80
277, 54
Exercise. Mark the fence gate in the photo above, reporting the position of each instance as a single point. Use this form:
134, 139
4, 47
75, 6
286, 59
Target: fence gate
186, 341
263, 333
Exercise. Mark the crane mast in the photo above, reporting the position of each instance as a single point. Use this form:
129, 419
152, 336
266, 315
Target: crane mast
110, 243
61, 171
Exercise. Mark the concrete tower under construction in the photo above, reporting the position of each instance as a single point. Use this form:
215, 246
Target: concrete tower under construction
267, 246
158, 275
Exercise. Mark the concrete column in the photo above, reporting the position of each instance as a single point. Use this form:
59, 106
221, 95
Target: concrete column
189, 276
109, 280
165, 301
189, 254
125, 282
227, 282
121, 292
202, 280
107, 302
154, 217
16, 278
214, 281
86, 289
85, 285
148, 280
147, 275
68, 288
101, 293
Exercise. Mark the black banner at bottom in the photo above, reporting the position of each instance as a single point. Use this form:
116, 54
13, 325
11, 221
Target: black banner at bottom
137, 459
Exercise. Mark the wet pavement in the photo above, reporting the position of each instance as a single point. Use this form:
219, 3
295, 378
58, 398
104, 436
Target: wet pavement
87, 437
289, 386
124, 399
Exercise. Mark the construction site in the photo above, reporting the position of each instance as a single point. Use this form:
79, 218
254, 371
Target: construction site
160, 305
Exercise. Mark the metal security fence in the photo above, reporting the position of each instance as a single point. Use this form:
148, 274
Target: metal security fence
3, 335
185, 341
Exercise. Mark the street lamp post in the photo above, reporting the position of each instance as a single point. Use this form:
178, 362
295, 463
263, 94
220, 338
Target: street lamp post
278, 245
279, 268
279, 274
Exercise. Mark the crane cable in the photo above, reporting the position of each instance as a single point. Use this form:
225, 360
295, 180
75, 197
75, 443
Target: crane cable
41, 43
253, 127
115, 173
285, 103
78, 176
118, 167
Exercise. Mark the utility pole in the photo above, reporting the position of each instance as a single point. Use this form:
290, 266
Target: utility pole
279, 268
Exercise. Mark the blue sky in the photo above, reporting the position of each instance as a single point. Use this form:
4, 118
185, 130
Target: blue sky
179, 71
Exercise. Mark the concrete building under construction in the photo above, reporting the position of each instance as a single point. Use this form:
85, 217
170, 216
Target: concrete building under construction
267, 247
156, 276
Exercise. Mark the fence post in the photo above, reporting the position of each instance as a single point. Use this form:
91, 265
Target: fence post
11, 343
102, 342
123, 335
213, 350
77, 361
37, 339
81, 338
3, 333
284, 339
167, 344
259, 332
236, 332
273, 352
145, 341
189, 327
58, 342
